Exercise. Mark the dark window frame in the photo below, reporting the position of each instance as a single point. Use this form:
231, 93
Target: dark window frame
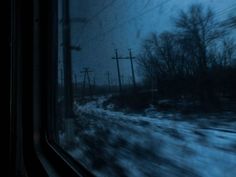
34, 73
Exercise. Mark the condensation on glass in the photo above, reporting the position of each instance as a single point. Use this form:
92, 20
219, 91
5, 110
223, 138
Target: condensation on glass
147, 87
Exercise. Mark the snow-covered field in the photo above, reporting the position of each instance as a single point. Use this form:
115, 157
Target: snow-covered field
154, 144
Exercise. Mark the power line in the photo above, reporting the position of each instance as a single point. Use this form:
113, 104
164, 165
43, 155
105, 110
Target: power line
222, 12
127, 21
225, 10
117, 26
99, 12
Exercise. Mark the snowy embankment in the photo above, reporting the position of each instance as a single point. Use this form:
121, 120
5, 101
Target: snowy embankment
154, 144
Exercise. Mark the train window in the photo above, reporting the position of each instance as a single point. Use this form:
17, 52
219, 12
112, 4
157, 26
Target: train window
147, 87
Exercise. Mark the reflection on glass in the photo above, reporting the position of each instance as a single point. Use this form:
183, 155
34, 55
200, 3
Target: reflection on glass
147, 87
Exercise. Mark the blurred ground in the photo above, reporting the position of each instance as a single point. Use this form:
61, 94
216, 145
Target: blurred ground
154, 144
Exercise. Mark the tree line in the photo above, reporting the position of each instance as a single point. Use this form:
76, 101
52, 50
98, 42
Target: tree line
196, 60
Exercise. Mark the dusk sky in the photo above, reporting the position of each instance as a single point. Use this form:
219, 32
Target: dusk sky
124, 24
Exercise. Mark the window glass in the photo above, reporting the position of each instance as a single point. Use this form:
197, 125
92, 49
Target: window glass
147, 87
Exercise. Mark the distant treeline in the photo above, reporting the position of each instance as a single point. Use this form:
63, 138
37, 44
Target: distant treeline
196, 60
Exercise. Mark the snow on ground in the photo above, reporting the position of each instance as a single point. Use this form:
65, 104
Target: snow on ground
155, 144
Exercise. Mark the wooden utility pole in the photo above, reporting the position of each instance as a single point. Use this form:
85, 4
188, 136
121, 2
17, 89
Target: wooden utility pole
132, 67
130, 57
67, 63
118, 68
86, 72
67, 66
68, 91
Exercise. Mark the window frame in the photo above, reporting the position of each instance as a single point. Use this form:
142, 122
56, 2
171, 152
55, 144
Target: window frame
34, 52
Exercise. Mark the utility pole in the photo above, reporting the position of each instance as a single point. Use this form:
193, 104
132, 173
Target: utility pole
132, 67
118, 68
67, 61
86, 72
130, 57
67, 66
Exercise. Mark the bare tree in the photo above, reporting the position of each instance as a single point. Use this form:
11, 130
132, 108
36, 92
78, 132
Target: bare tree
228, 51
161, 60
192, 59
199, 29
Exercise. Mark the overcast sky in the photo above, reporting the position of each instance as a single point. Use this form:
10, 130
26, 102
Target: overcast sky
123, 24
